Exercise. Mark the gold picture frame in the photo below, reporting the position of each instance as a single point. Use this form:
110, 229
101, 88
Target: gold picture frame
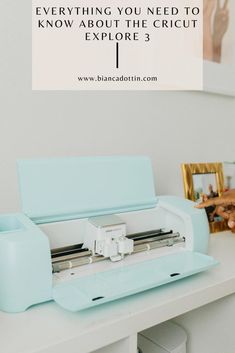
203, 181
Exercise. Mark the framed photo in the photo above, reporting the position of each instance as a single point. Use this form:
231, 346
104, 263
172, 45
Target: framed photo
219, 46
229, 175
203, 181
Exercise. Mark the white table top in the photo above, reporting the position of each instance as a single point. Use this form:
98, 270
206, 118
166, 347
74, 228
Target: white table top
47, 328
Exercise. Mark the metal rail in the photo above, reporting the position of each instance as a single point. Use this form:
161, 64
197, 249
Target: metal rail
67, 262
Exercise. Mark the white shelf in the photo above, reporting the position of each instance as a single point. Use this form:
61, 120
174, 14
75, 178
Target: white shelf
47, 328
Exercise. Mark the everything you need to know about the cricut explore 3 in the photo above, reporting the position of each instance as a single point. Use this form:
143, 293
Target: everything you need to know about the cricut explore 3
92, 230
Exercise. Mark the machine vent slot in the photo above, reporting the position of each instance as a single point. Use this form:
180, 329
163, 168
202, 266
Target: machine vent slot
97, 298
174, 274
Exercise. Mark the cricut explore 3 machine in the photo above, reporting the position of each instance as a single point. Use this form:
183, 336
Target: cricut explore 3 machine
92, 231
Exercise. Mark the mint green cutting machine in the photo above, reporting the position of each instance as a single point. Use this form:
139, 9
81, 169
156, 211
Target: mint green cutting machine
98, 213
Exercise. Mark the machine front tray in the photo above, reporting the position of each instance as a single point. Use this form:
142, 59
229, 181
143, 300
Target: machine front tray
103, 287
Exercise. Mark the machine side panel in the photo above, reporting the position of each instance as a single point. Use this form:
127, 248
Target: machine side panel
195, 221
25, 264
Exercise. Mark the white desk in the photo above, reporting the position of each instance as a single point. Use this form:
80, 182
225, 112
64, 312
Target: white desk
47, 328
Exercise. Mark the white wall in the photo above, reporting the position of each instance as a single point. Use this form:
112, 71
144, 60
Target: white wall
170, 127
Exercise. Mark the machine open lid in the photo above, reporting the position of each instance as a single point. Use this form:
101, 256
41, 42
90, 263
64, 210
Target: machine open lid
99, 288
58, 189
